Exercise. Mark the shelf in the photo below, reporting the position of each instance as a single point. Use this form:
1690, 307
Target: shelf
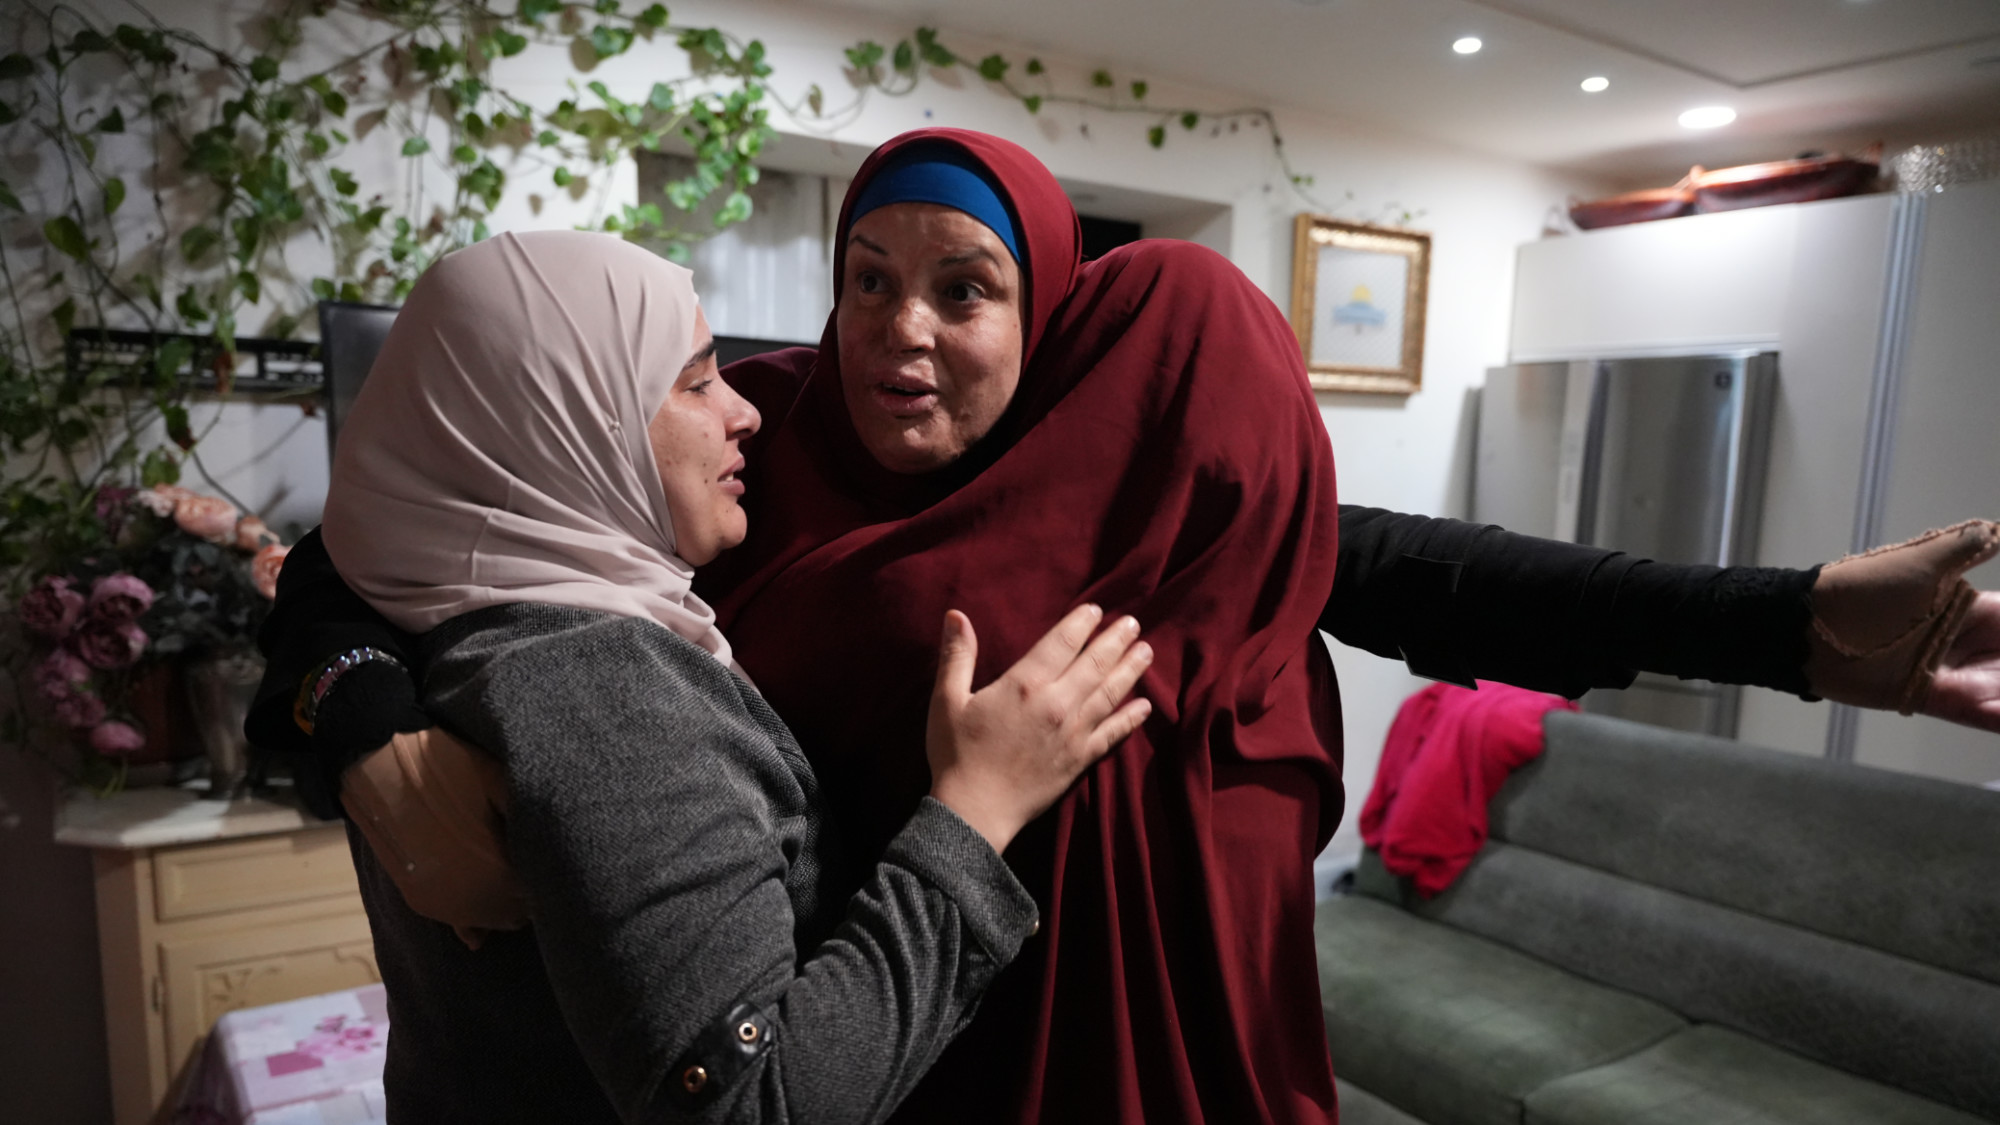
262, 367
152, 818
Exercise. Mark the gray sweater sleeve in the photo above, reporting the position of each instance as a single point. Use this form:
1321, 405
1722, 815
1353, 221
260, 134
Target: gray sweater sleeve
658, 813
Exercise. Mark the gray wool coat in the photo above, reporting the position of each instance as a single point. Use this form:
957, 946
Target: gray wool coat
699, 951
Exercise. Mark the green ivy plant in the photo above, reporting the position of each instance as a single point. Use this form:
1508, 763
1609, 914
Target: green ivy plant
152, 180
166, 176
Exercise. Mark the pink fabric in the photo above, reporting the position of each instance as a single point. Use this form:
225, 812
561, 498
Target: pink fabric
1448, 752
316, 1060
498, 451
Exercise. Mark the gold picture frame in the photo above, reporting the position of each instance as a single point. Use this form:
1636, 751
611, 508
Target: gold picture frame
1358, 300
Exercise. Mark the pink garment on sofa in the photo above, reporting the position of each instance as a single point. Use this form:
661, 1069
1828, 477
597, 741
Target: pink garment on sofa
1447, 754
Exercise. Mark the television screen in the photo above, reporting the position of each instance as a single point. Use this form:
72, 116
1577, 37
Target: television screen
350, 336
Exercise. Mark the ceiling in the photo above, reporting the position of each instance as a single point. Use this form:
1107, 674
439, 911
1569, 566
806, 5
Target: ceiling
1801, 74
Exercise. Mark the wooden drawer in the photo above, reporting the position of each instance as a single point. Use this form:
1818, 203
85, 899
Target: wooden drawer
208, 976
204, 879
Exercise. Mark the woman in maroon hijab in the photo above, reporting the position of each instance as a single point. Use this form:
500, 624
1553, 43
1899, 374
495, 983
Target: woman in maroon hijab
1162, 455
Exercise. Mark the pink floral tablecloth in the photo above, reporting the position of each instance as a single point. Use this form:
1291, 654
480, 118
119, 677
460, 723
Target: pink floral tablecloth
316, 1061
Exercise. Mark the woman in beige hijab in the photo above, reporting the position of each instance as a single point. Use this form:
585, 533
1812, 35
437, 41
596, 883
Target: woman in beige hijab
540, 458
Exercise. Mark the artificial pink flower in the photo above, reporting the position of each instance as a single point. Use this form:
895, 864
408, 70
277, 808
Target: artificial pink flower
51, 608
264, 569
115, 739
80, 711
207, 517
61, 675
120, 597
109, 644
161, 499
253, 534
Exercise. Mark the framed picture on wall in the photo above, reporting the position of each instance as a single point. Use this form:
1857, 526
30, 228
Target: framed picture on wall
1358, 296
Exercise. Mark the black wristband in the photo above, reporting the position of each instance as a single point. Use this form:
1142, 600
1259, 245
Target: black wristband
371, 703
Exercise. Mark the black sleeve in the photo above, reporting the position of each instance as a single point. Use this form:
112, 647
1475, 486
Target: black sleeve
1460, 601
316, 618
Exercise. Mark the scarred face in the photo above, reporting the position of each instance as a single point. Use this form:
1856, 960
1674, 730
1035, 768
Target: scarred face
929, 322
695, 438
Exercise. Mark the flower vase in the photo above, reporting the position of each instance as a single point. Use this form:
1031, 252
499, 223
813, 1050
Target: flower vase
219, 692
158, 699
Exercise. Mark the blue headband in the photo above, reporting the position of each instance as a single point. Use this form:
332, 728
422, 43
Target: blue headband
944, 175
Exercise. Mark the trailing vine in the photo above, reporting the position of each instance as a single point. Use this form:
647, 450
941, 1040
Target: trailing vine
166, 180
152, 181
897, 72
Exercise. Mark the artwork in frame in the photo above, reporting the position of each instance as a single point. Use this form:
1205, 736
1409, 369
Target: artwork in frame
1358, 296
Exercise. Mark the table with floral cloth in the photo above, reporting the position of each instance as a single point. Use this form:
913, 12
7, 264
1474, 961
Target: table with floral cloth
314, 1061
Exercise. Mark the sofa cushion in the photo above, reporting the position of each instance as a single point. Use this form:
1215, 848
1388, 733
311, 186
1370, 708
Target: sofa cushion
1455, 1029
1898, 863
1710, 1076
1359, 1107
1894, 1020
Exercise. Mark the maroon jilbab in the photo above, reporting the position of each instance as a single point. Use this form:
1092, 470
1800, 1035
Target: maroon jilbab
1164, 458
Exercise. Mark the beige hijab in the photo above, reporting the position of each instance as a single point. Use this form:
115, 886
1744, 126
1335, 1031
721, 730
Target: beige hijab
498, 451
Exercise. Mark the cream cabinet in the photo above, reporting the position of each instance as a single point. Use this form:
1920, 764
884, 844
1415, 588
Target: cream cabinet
205, 908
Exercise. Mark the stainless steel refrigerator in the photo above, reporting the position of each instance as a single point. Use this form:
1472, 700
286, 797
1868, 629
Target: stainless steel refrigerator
1661, 457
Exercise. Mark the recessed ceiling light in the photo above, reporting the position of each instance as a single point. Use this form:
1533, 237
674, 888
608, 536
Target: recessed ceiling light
1468, 46
1596, 84
1708, 117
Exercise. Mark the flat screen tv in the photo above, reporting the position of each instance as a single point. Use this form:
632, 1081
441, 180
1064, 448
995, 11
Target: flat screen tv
350, 336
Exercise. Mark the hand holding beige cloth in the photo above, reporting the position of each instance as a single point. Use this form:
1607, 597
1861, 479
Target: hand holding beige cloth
432, 809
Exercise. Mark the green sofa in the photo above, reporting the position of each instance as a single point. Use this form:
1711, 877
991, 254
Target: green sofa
1668, 929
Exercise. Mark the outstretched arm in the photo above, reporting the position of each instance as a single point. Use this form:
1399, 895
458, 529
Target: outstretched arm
1896, 628
1461, 601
